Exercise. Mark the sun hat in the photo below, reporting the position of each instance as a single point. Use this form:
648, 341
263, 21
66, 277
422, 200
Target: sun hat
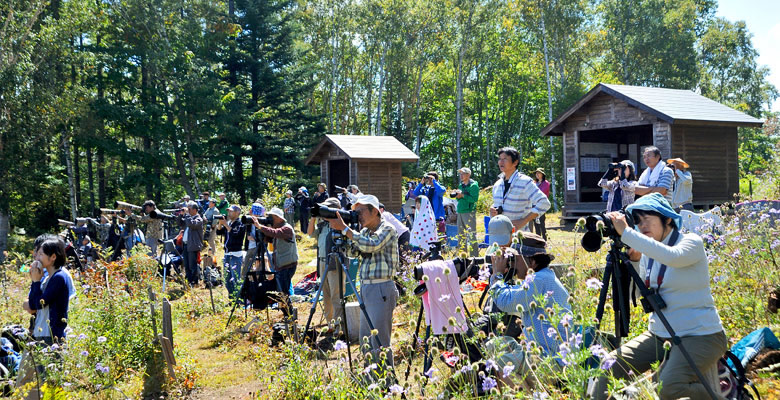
656, 202
500, 230
276, 211
679, 160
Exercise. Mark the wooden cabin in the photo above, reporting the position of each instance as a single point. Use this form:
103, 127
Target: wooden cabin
615, 122
373, 163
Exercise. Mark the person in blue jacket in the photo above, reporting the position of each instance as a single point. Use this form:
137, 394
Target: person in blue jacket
51, 297
431, 188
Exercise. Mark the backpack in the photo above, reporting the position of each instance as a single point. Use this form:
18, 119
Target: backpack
733, 382
256, 289
211, 276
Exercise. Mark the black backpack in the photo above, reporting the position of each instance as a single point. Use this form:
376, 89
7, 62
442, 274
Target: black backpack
733, 382
259, 291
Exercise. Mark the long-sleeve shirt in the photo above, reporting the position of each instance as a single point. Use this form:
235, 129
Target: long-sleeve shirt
154, 227
400, 228
289, 205
379, 250
435, 194
517, 299
468, 203
683, 188
286, 232
55, 297
522, 198
685, 289
627, 187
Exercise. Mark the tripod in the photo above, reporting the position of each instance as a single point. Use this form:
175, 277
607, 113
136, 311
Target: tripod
260, 256
338, 251
620, 271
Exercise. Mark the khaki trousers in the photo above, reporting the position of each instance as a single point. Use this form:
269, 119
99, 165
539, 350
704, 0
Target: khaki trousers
675, 375
467, 233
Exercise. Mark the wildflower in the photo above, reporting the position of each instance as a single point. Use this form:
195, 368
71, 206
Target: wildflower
397, 389
576, 340
608, 363
452, 360
447, 270
484, 274
540, 396
451, 321
443, 298
593, 283
490, 364
466, 368
488, 384
507, 370
84, 353
373, 386
339, 345
667, 345
429, 373
374, 332
548, 294
101, 339
426, 278
55, 347
735, 254
369, 368
551, 332
437, 280
566, 319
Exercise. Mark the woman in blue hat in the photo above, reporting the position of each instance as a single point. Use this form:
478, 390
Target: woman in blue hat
675, 265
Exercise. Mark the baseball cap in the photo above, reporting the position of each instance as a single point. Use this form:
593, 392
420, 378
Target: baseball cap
368, 199
465, 170
235, 207
258, 209
331, 202
500, 230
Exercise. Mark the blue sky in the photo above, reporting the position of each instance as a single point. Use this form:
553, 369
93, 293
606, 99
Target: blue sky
763, 20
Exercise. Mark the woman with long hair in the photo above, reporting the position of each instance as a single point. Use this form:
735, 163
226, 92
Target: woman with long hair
621, 187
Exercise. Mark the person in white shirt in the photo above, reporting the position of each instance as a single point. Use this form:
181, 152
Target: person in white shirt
682, 194
675, 265
401, 231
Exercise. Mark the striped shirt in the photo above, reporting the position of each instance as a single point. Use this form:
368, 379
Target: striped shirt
523, 197
379, 250
666, 180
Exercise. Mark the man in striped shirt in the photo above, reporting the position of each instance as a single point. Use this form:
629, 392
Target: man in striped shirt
657, 178
377, 245
516, 195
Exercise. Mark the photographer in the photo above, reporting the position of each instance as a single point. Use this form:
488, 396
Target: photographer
128, 232
192, 237
234, 250
204, 201
657, 178
289, 208
211, 226
154, 227
621, 183
49, 297
377, 245
285, 256
321, 195
251, 245
304, 204
467, 195
516, 195
331, 297
430, 187
682, 195
675, 266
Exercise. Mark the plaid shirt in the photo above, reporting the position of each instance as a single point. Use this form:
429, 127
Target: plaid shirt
154, 227
379, 250
523, 197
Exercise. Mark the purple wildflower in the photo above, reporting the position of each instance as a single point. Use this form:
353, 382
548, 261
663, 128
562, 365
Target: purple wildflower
339, 345
488, 384
593, 283
507, 370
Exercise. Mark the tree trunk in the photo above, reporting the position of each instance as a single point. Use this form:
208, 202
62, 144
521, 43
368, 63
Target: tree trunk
77, 172
238, 176
101, 169
90, 182
417, 111
5, 230
549, 114
382, 74
464, 40
74, 209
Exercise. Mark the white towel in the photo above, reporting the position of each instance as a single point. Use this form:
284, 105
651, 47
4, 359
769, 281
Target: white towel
650, 176
424, 226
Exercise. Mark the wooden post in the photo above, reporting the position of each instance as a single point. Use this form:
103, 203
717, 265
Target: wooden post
167, 349
152, 299
167, 325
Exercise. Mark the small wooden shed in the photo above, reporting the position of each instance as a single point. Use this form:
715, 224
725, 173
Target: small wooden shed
371, 162
615, 122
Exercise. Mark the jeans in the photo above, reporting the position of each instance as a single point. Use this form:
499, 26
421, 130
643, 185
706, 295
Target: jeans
129, 244
284, 280
191, 267
232, 273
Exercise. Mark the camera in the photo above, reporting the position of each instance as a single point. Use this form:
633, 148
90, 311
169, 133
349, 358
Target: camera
647, 305
616, 165
247, 220
597, 226
160, 215
454, 193
500, 210
340, 189
349, 217
219, 217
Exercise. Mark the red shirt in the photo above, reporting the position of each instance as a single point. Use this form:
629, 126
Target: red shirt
544, 186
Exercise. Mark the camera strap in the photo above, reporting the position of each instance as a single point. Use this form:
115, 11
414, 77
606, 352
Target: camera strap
660, 279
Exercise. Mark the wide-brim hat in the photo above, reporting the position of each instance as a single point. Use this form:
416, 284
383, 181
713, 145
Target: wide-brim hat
532, 244
276, 211
678, 160
331, 202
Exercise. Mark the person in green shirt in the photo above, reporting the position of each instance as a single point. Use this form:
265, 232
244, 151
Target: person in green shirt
222, 204
467, 195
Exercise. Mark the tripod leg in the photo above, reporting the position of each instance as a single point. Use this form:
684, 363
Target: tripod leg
603, 293
316, 300
359, 299
414, 342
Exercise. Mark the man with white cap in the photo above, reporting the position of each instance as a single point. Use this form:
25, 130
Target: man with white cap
331, 297
285, 256
377, 245
467, 195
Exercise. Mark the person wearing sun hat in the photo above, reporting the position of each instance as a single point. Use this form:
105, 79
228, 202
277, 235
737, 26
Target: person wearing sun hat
682, 193
331, 297
676, 267
285, 256
377, 245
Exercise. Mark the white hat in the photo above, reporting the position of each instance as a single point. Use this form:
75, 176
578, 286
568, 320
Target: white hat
368, 199
276, 211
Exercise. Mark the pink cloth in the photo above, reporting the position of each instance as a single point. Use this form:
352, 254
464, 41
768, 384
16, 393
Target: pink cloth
544, 186
442, 298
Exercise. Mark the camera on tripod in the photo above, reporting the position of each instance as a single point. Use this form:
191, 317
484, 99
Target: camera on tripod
161, 215
349, 217
247, 220
598, 226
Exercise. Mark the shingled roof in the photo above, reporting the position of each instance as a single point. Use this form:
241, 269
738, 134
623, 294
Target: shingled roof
358, 147
671, 105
